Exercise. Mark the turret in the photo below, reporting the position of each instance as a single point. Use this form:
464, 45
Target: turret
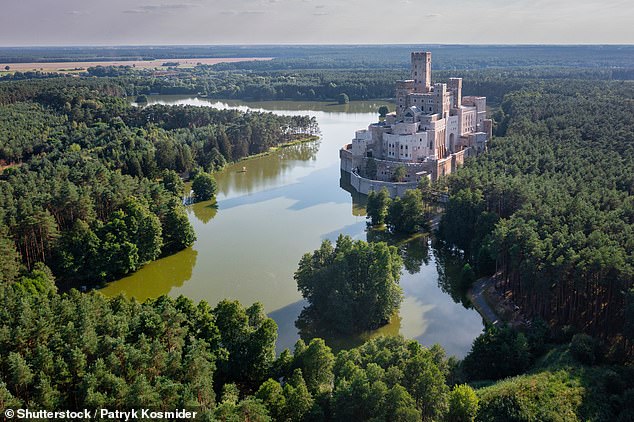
421, 71
403, 89
455, 87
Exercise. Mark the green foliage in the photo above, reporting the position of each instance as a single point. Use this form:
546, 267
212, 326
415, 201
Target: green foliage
543, 397
249, 338
399, 174
89, 170
584, 348
38, 281
405, 215
172, 182
497, 353
9, 259
550, 204
178, 234
463, 404
389, 378
204, 186
272, 395
378, 203
76, 350
316, 363
358, 279
464, 206
248, 410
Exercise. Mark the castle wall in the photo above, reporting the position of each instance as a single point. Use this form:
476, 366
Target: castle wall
365, 186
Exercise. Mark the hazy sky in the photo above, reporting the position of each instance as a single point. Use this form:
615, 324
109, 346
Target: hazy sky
109, 22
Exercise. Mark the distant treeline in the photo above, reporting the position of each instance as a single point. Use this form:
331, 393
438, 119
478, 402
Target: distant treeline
346, 56
321, 85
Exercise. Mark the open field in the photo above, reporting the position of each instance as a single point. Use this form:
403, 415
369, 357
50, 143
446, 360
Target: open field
142, 64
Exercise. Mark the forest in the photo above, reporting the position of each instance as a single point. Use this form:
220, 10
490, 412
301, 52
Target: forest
92, 187
550, 207
76, 350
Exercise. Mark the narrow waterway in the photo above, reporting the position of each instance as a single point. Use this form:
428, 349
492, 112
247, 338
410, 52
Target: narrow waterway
251, 239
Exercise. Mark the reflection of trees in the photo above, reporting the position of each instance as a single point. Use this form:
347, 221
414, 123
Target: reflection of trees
304, 151
449, 267
156, 278
205, 211
261, 170
413, 249
309, 327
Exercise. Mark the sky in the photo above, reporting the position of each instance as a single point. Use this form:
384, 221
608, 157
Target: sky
161, 22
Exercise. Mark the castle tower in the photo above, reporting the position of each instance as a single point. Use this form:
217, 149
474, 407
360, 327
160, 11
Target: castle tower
455, 87
421, 71
403, 89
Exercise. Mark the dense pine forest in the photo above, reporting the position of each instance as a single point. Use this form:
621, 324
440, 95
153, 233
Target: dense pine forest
550, 207
91, 189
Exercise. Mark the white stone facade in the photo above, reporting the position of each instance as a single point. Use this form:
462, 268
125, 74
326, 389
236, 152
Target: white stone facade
433, 129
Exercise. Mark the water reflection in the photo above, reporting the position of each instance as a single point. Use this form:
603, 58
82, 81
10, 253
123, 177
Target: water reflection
310, 327
253, 175
179, 267
359, 201
449, 266
414, 249
204, 211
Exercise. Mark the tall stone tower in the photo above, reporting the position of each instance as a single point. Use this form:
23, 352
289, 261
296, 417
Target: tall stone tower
421, 71
455, 87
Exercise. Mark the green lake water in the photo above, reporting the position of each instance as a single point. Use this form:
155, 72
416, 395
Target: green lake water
250, 240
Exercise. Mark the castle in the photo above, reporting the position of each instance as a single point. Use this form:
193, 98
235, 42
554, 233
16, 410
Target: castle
429, 135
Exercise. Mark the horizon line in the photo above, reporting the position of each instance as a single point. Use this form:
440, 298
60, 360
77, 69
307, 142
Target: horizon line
318, 44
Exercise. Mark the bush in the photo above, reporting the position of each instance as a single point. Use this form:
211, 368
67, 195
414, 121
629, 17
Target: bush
542, 397
463, 404
584, 349
204, 186
497, 353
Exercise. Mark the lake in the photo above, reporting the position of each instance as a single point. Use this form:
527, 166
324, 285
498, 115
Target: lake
250, 240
